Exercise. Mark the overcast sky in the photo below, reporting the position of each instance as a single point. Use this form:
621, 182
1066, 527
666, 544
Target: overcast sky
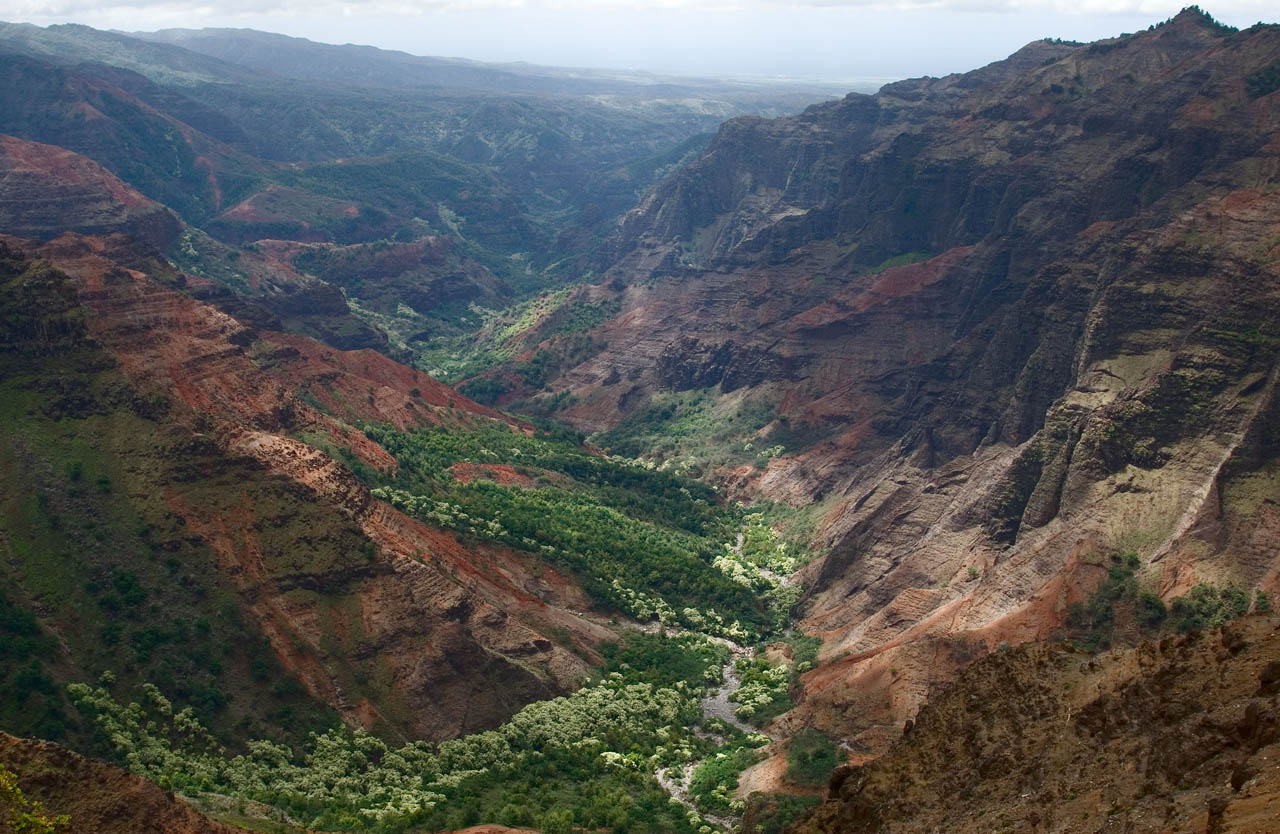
838, 40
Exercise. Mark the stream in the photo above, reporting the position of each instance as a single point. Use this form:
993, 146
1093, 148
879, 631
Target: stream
714, 705
717, 705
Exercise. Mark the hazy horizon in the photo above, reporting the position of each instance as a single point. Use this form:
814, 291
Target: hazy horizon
852, 43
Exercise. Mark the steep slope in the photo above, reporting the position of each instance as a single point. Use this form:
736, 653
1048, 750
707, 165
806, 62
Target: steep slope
48, 190
101, 113
1177, 736
395, 625
99, 797
995, 326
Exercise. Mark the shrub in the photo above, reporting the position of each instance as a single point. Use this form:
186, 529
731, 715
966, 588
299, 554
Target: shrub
811, 756
22, 815
1206, 606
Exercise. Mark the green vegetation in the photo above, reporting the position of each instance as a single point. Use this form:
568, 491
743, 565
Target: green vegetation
1264, 82
32, 702
764, 692
1205, 606
666, 661
91, 551
811, 756
762, 695
641, 540
1092, 624
715, 779
559, 318
581, 761
905, 259
763, 547
695, 432
775, 811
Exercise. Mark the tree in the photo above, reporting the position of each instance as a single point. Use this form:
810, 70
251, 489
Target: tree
557, 821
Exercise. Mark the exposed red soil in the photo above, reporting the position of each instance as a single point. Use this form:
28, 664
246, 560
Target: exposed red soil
892, 283
216, 366
499, 473
278, 205
64, 166
45, 190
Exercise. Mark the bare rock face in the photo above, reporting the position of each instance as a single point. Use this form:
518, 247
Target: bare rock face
1010, 322
1176, 736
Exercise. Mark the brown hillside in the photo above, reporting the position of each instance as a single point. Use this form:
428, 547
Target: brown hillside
99, 798
46, 190
396, 625
1176, 737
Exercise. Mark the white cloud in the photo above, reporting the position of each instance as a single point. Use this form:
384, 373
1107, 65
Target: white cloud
59, 9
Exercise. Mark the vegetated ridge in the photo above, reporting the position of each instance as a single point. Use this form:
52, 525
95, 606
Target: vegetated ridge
186, 425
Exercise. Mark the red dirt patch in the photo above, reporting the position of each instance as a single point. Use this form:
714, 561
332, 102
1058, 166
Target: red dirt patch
500, 473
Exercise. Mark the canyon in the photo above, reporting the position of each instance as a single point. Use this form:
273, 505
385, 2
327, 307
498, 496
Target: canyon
1076, 361
415, 425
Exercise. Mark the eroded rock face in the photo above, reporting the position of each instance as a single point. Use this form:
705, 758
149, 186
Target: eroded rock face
1011, 321
396, 625
1181, 735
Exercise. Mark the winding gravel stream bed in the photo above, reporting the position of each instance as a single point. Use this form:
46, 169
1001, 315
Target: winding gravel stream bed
717, 705
714, 705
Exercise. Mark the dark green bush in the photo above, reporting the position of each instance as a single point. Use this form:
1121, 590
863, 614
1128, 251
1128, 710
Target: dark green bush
811, 756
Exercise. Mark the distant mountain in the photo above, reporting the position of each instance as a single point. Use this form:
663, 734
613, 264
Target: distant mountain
73, 43
522, 155
366, 66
